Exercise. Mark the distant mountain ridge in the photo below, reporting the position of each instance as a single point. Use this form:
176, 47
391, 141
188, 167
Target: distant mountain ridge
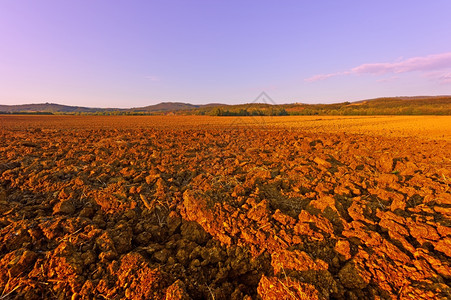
59, 108
47, 107
418, 105
172, 106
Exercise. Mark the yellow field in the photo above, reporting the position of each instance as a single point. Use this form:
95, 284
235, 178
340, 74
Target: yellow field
429, 127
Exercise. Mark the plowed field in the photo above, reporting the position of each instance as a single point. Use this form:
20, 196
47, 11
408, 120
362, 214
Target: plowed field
174, 207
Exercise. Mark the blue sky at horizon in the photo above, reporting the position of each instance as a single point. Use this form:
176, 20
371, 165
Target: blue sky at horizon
136, 53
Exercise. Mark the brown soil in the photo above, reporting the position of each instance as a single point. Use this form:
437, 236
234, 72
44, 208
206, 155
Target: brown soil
182, 212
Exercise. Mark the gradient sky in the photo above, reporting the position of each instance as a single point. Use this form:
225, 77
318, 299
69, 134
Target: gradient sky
107, 53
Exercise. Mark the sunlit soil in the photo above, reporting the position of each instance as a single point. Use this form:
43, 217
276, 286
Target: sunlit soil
426, 127
172, 207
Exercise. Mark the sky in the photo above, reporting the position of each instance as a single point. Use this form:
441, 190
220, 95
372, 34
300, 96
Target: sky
111, 53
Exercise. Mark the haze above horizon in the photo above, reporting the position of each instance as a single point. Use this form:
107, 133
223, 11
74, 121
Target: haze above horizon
132, 54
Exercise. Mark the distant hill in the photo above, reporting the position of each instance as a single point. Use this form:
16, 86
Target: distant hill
54, 108
420, 105
172, 106
51, 108
166, 106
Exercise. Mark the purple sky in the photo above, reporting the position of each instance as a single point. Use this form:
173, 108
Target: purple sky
108, 53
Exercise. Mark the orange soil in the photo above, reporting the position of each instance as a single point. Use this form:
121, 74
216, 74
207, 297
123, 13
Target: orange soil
225, 208
424, 127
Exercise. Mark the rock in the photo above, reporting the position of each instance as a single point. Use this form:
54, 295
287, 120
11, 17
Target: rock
162, 255
320, 222
87, 212
99, 220
122, 238
443, 198
259, 212
444, 245
194, 232
356, 212
444, 230
257, 176
64, 207
283, 218
130, 214
295, 260
343, 248
143, 238
439, 266
353, 276
322, 202
183, 257
322, 162
174, 223
212, 255
407, 168
398, 203
422, 232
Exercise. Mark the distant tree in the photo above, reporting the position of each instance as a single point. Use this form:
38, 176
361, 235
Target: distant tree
282, 112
